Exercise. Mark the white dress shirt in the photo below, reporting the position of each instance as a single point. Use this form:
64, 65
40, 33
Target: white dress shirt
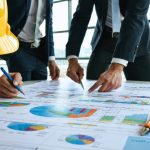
31, 31
34, 28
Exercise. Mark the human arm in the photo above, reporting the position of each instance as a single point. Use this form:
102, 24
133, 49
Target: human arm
130, 35
53, 68
110, 79
77, 32
78, 27
75, 71
132, 29
7, 89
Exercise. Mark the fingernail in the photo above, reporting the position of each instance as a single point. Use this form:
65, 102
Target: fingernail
15, 83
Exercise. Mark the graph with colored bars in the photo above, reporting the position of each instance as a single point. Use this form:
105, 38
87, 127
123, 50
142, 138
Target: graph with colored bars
81, 112
127, 115
53, 111
12, 104
135, 119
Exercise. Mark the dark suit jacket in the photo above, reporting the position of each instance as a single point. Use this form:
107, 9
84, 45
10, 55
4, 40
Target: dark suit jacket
17, 15
134, 33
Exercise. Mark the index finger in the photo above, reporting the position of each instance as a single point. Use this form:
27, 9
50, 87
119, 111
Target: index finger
95, 86
17, 78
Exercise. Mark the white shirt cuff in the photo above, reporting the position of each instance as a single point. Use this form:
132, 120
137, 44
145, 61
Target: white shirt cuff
51, 58
72, 56
120, 61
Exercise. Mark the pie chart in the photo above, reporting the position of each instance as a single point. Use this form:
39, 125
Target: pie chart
26, 126
80, 139
62, 112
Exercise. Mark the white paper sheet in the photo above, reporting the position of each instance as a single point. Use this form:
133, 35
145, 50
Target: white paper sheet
59, 115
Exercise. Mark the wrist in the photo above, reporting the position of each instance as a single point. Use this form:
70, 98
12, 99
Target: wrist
119, 61
73, 60
51, 62
116, 66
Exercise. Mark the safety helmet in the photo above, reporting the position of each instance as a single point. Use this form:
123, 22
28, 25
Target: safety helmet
8, 41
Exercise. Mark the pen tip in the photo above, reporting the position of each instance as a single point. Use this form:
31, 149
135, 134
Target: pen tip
82, 85
22, 92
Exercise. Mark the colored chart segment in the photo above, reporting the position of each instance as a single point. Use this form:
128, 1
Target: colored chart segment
107, 119
12, 104
80, 139
81, 124
26, 126
135, 119
52, 111
124, 96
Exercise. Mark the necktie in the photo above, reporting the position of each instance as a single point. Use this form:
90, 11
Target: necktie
116, 18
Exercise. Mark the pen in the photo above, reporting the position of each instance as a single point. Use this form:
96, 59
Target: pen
11, 79
81, 84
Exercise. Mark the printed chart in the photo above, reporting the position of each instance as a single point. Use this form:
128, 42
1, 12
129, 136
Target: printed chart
51, 111
26, 126
12, 104
60, 115
80, 139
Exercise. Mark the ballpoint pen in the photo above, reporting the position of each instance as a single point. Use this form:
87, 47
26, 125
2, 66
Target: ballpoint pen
11, 79
146, 128
81, 84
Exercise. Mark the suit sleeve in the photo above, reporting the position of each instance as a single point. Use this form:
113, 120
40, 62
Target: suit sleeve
132, 29
49, 29
79, 26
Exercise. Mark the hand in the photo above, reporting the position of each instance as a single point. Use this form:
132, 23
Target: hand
110, 79
54, 70
7, 89
75, 71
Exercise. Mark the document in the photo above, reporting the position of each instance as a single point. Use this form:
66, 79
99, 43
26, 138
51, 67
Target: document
59, 115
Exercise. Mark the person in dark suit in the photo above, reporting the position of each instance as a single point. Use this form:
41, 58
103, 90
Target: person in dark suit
36, 50
129, 51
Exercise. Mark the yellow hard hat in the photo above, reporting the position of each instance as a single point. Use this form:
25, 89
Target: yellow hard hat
8, 41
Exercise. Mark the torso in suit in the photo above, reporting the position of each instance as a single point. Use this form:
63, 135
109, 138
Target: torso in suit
18, 12
30, 61
134, 31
